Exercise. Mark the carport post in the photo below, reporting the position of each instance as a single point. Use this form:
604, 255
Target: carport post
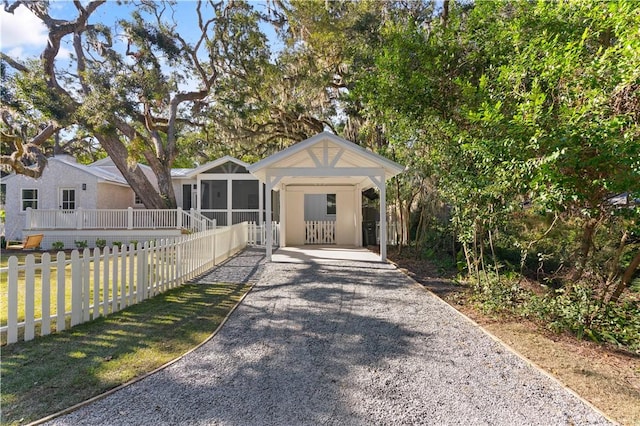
383, 220
379, 181
269, 231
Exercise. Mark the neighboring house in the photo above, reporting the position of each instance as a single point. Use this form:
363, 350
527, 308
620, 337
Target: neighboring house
65, 185
222, 190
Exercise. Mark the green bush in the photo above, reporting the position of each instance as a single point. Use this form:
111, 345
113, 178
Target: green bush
81, 244
577, 311
101, 243
57, 245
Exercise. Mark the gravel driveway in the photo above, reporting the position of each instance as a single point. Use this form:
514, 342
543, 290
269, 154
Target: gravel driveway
344, 343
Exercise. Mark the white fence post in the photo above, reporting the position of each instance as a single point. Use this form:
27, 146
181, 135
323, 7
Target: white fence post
179, 218
129, 217
27, 223
79, 218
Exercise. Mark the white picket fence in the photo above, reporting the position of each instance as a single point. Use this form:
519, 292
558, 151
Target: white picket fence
320, 232
258, 234
104, 282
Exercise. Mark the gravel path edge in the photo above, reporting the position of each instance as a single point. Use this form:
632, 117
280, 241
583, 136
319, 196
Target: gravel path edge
507, 346
144, 376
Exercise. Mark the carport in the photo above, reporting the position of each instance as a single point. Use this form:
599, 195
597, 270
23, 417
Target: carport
328, 166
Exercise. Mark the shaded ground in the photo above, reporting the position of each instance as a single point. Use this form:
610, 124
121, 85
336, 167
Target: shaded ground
354, 343
607, 378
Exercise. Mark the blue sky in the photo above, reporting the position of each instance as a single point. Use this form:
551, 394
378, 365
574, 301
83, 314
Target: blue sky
22, 35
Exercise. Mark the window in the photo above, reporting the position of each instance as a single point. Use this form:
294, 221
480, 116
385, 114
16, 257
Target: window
67, 199
136, 199
331, 203
29, 199
3, 193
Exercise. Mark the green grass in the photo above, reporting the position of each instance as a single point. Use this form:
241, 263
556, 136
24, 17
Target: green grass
51, 373
4, 258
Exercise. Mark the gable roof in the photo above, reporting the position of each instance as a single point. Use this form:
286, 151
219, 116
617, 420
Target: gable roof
328, 160
100, 174
191, 173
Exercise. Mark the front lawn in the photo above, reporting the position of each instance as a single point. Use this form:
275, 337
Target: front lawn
54, 372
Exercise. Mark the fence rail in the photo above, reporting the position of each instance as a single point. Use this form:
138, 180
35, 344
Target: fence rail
104, 282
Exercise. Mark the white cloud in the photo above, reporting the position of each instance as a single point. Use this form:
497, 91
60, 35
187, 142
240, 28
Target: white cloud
22, 29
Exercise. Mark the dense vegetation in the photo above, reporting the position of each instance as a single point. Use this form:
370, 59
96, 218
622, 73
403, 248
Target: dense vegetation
519, 121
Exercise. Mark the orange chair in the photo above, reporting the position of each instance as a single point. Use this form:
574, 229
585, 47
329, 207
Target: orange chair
31, 242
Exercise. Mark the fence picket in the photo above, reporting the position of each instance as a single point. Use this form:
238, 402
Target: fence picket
96, 283
76, 289
131, 257
86, 284
106, 256
123, 278
114, 280
120, 277
61, 261
29, 298
12, 301
45, 325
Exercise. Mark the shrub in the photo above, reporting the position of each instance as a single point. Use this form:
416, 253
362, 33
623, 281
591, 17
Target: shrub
117, 244
57, 245
81, 244
577, 311
101, 243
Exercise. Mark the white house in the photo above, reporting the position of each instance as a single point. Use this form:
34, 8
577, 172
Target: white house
66, 185
313, 188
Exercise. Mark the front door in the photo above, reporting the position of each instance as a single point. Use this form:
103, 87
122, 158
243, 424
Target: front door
67, 205
67, 199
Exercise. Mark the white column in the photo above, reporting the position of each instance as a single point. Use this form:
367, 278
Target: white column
260, 202
283, 216
358, 214
268, 226
229, 202
383, 220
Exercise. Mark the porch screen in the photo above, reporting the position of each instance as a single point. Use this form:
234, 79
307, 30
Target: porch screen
214, 194
245, 194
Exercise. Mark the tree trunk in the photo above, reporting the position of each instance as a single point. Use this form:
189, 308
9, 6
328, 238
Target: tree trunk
134, 176
625, 282
586, 242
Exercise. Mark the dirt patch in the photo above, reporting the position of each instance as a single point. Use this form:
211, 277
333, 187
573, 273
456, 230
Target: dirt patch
607, 378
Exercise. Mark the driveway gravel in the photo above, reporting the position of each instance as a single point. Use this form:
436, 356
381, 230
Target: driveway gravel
341, 343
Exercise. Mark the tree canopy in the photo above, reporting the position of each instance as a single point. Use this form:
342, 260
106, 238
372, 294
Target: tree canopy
505, 112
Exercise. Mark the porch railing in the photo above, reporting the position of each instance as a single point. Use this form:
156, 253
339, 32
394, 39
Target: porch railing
224, 216
112, 219
196, 221
320, 232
